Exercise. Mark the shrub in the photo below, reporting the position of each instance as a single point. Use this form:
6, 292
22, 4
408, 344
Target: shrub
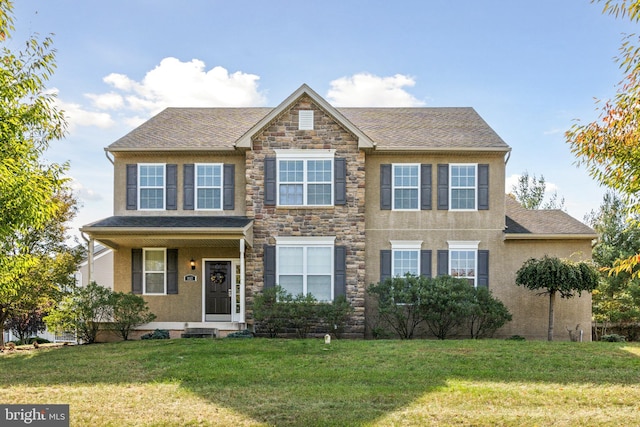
613, 338
83, 311
27, 323
516, 338
336, 315
398, 303
488, 314
240, 334
303, 312
158, 334
128, 311
445, 303
269, 312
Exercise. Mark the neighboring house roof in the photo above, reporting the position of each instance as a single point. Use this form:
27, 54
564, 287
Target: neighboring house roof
141, 230
522, 223
383, 128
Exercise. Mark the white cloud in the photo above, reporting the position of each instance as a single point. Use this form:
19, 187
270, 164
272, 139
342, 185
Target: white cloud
85, 193
367, 90
76, 116
174, 83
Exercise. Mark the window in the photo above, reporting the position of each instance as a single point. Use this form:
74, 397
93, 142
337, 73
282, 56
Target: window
406, 178
463, 260
154, 268
463, 186
209, 186
405, 258
305, 266
151, 186
305, 179
305, 120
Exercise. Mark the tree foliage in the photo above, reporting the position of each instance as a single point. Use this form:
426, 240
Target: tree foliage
617, 298
30, 189
551, 275
608, 147
530, 192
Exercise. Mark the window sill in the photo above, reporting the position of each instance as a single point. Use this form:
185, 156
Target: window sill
308, 207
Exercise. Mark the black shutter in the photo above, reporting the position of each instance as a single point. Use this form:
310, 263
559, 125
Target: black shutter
172, 271
340, 181
132, 187
269, 260
189, 187
443, 187
425, 187
483, 269
340, 271
425, 263
172, 187
270, 190
483, 187
229, 176
136, 271
385, 265
443, 262
385, 187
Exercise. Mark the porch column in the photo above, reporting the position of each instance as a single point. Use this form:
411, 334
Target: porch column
242, 283
90, 262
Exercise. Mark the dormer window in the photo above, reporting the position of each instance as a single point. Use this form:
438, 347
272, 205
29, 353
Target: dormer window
305, 120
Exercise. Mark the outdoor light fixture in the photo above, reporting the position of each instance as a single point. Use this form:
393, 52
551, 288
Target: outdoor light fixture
193, 264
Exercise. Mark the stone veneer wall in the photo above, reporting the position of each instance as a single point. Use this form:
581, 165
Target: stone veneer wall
346, 223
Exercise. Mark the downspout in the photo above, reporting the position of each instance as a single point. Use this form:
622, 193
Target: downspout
106, 153
506, 160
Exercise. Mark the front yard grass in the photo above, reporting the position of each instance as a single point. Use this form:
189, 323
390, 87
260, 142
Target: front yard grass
250, 382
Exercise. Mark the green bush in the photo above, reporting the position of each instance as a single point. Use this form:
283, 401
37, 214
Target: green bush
516, 338
488, 315
241, 334
128, 311
613, 338
158, 334
336, 315
446, 302
83, 311
399, 303
269, 310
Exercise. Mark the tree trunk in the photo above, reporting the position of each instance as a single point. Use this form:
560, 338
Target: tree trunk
552, 300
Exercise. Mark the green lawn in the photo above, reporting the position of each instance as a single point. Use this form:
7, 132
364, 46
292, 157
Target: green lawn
305, 382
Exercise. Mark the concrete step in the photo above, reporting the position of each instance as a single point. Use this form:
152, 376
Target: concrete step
200, 333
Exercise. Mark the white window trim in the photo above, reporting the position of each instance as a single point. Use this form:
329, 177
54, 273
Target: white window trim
393, 186
197, 187
164, 187
405, 245
475, 201
306, 242
305, 156
462, 245
305, 120
144, 270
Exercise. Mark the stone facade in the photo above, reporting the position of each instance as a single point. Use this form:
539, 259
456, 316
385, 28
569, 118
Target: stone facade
345, 222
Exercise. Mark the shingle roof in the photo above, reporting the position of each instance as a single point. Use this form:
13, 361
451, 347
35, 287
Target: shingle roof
530, 222
388, 128
171, 222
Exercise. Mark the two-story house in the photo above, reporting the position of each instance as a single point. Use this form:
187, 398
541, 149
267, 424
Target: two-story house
212, 205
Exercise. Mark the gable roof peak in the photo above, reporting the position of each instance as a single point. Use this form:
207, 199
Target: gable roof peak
363, 140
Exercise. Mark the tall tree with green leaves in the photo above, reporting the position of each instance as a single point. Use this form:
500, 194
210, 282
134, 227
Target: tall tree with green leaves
617, 298
608, 147
29, 122
530, 192
553, 276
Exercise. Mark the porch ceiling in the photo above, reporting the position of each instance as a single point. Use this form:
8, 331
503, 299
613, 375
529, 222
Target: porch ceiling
175, 232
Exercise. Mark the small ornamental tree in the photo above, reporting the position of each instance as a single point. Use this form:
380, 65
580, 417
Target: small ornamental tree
129, 311
26, 324
553, 276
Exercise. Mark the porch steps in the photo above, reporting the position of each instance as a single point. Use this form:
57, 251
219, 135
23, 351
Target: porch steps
200, 333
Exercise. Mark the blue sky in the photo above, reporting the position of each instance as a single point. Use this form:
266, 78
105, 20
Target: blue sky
530, 69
